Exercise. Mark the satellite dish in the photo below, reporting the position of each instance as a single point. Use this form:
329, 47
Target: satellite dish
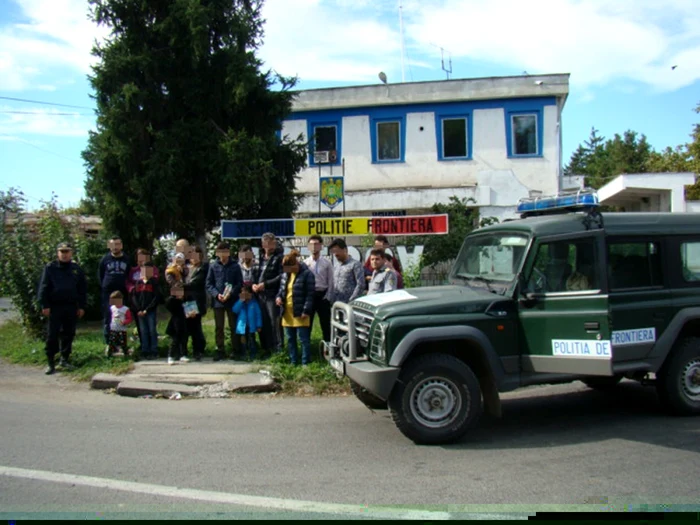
382, 77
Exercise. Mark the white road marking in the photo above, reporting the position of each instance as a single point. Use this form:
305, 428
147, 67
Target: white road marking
223, 497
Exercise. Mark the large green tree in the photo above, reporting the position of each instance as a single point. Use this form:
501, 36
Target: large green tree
601, 160
187, 121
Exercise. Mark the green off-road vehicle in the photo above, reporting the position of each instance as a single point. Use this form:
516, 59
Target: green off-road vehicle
557, 296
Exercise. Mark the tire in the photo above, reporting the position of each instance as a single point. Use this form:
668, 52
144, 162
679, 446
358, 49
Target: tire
602, 383
367, 398
678, 381
446, 383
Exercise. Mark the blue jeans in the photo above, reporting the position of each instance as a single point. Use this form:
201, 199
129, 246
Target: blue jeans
149, 336
305, 336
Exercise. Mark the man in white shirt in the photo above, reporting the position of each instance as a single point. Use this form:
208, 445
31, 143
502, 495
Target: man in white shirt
322, 269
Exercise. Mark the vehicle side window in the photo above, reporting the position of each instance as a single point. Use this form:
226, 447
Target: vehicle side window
634, 265
564, 266
690, 255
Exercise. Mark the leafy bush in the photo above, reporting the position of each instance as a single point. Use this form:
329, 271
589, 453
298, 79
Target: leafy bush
25, 251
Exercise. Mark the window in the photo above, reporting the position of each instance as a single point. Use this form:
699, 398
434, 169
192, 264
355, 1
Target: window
634, 264
564, 266
388, 141
524, 134
325, 138
325, 135
690, 255
454, 138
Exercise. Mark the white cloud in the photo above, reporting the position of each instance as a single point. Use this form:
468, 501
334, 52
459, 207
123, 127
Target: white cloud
598, 42
60, 123
56, 36
332, 40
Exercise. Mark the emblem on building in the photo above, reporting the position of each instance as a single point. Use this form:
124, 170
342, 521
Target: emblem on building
331, 191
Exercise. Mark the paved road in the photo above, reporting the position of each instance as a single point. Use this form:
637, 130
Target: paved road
66, 448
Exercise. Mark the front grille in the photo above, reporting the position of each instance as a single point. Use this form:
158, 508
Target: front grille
363, 323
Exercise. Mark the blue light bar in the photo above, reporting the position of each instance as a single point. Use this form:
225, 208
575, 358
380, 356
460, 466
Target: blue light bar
562, 202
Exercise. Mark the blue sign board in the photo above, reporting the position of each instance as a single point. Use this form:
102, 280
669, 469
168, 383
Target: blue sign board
255, 228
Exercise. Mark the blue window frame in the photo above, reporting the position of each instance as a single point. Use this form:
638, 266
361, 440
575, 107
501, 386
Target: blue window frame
325, 136
388, 139
454, 136
524, 133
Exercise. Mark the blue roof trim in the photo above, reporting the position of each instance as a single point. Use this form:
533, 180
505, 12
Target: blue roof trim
513, 104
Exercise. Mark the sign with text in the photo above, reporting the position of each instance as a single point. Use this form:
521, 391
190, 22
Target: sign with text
338, 226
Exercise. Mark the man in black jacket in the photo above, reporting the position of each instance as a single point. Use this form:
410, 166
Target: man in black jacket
63, 297
224, 281
112, 273
270, 275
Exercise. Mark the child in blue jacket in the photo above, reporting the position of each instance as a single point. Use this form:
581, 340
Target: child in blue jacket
249, 320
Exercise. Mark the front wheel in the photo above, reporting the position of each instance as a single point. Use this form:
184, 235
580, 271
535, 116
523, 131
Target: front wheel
678, 381
436, 400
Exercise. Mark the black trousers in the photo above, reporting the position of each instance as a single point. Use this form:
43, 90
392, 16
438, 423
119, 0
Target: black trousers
272, 338
61, 330
323, 308
194, 330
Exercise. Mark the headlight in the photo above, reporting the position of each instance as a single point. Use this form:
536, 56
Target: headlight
377, 349
339, 315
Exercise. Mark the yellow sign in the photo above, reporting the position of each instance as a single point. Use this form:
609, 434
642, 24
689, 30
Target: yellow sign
339, 227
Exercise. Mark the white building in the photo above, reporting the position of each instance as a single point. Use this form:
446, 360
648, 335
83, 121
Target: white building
407, 146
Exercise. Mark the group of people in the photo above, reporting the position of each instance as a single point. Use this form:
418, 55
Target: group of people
275, 297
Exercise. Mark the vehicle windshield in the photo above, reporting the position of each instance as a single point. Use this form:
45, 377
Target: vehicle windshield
489, 261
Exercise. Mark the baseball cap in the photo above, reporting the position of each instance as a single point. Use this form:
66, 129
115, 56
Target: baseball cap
64, 246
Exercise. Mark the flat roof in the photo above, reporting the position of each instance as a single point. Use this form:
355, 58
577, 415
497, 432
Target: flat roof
626, 223
489, 88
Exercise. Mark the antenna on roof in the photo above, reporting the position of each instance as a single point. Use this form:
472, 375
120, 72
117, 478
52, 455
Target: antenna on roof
403, 44
447, 69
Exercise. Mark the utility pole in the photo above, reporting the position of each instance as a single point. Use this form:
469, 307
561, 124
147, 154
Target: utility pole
403, 45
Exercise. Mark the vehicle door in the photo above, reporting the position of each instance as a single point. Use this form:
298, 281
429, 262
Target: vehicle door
562, 307
640, 304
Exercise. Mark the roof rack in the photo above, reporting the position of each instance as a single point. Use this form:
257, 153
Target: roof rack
580, 200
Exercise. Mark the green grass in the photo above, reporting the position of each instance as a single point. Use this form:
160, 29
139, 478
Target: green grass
89, 359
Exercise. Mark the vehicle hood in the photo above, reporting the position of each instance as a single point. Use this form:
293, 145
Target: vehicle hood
433, 300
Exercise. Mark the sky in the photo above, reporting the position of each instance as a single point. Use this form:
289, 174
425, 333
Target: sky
620, 55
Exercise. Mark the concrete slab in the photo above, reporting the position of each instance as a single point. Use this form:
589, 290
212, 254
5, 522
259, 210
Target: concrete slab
250, 383
105, 381
193, 367
180, 379
142, 388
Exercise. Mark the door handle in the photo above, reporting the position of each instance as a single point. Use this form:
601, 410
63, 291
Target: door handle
591, 326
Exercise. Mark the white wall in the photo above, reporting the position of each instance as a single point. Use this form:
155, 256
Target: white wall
422, 174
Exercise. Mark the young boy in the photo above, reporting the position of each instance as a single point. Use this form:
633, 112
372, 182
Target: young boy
144, 302
249, 320
121, 317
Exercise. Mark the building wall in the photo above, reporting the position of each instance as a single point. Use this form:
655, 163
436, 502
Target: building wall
421, 177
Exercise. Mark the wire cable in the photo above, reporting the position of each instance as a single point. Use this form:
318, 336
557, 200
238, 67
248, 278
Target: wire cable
42, 102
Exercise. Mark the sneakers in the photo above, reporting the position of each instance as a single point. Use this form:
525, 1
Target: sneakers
50, 370
171, 361
65, 364
184, 359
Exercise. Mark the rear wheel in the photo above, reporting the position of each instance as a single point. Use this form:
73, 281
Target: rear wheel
436, 400
369, 399
678, 381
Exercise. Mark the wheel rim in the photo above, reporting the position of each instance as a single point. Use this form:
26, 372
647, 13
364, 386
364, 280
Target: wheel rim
435, 402
691, 379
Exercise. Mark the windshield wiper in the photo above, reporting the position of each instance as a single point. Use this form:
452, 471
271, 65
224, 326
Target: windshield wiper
484, 280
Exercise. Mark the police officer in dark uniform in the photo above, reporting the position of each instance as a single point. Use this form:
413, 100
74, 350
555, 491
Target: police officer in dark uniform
63, 296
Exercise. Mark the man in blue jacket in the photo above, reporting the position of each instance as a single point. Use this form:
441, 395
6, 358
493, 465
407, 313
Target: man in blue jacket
63, 296
111, 274
224, 281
